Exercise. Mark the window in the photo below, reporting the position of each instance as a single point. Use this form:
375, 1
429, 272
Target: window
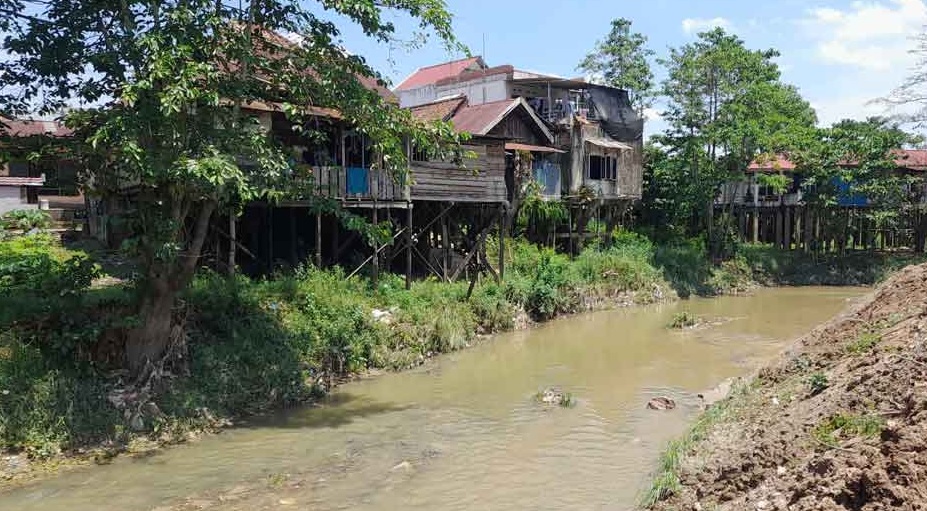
19, 168
419, 154
596, 167
603, 167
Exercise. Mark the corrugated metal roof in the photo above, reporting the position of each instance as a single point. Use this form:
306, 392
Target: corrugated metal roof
515, 146
21, 181
432, 74
609, 144
481, 119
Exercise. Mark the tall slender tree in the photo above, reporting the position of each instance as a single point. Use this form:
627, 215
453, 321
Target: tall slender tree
622, 60
173, 138
726, 105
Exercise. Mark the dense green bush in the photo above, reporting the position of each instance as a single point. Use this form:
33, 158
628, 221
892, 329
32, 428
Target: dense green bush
25, 219
47, 406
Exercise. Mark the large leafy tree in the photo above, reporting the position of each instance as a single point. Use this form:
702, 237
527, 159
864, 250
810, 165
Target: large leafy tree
174, 138
726, 104
859, 159
622, 60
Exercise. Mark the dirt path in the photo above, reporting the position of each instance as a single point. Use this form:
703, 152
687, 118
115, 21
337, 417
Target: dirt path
840, 422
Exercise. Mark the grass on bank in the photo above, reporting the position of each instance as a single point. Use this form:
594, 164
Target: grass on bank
253, 344
666, 480
258, 344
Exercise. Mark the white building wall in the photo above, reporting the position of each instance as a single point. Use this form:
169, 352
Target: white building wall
11, 198
416, 97
481, 90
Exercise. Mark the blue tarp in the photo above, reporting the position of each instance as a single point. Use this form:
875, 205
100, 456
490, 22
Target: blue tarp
845, 197
548, 175
357, 181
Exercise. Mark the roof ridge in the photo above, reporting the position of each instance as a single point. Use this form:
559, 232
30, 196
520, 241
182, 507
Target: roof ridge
450, 62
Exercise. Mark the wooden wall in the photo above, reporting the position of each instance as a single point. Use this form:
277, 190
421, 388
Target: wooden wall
483, 179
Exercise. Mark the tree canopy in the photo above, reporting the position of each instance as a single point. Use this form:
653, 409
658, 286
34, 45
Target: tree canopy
169, 80
622, 60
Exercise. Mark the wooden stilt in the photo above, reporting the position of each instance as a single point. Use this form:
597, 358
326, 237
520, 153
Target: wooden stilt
376, 251
410, 239
502, 233
318, 239
233, 243
446, 245
270, 239
294, 249
756, 225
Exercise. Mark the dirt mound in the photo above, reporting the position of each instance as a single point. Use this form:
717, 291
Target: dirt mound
840, 422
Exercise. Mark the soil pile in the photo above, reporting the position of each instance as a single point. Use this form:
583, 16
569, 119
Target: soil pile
839, 422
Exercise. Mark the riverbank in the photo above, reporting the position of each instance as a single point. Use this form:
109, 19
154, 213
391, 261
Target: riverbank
837, 423
249, 347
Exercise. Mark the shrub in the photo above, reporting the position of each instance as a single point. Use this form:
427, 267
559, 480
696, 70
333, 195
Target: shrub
683, 320
817, 383
26, 219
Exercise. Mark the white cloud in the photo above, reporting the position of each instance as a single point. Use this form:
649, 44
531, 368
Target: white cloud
865, 47
696, 25
868, 35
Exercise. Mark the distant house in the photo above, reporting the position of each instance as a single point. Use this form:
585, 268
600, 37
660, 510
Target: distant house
23, 137
19, 192
753, 192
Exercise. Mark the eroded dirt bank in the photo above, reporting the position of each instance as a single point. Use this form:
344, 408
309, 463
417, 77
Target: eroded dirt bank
839, 422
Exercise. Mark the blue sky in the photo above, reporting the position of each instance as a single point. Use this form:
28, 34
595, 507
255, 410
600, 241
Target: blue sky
841, 54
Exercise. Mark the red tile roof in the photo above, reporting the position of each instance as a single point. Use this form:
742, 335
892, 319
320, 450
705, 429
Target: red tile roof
433, 74
779, 163
30, 127
22, 181
911, 159
440, 110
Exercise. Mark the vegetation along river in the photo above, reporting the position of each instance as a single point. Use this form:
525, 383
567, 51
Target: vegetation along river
465, 431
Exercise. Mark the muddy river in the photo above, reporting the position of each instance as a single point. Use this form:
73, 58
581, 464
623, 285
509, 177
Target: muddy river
465, 432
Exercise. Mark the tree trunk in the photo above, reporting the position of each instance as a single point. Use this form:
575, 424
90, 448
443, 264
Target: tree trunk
151, 339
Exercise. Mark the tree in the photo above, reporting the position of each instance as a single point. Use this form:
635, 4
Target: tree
726, 105
173, 137
911, 96
622, 61
859, 159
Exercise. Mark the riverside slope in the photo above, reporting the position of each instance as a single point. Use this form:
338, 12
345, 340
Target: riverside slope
839, 422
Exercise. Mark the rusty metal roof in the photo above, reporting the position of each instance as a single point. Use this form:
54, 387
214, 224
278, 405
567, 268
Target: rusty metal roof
481, 119
440, 110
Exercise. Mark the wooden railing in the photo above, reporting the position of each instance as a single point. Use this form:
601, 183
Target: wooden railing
350, 183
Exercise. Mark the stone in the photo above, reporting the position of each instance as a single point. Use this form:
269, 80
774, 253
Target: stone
661, 403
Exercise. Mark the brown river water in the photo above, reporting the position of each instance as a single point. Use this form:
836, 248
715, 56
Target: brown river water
464, 432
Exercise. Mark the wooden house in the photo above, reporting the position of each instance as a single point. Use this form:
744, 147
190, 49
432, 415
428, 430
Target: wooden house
597, 134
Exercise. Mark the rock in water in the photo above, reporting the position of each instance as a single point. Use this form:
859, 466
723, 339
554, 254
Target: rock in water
661, 403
